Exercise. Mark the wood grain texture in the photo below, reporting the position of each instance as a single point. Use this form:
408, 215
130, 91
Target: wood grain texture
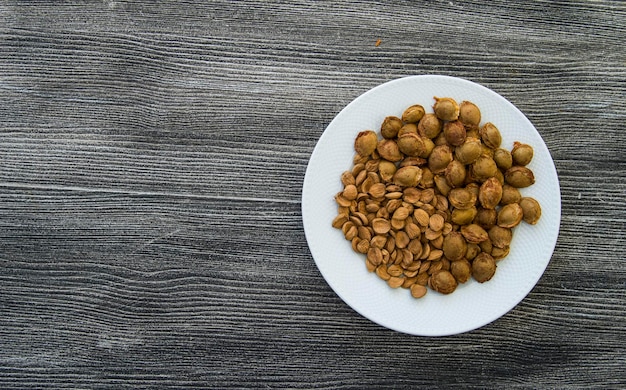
152, 156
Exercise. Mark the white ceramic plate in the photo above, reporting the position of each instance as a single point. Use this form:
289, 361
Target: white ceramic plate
473, 304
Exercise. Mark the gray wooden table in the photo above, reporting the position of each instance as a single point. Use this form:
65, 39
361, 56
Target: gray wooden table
152, 156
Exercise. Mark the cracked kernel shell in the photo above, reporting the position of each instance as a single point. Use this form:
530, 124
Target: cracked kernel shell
365, 143
446, 108
443, 282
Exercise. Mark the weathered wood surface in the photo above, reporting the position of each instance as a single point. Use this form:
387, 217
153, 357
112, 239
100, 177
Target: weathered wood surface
152, 156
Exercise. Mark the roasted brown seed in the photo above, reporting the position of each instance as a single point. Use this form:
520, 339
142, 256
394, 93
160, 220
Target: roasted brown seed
375, 255
431, 234
429, 126
340, 220
358, 159
413, 160
454, 246
522, 153
397, 224
499, 176
445, 264
469, 113
413, 114
386, 170
357, 169
454, 132
401, 213
412, 230
411, 144
443, 282
390, 127
500, 253
342, 201
347, 226
378, 241
455, 174
500, 237
407, 176
486, 246
394, 270
486, 218
436, 222
394, 202
411, 194
382, 273
357, 218
474, 233
407, 260
388, 150
423, 278
483, 267
472, 251
421, 217
510, 195
531, 210
355, 241
469, 151
435, 266
396, 195
372, 165
442, 203
381, 225
472, 131
474, 188
367, 183
363, 246
435, 254
350, 192
365, 143
347, 178
410, 279
510, 215
407, 128
484, 168
463, 217
343, 210
428, 196
461, 270
461, 198
425, 250
429, 145
490, 135
440, 140
439, 159
490, 193
417, 290
503, 158
371, 209
415, 247
427, 178
377, 190
351, 232
442, 185
446, 109
519, 177
402, 240
395, 281
358, 180
365, 233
